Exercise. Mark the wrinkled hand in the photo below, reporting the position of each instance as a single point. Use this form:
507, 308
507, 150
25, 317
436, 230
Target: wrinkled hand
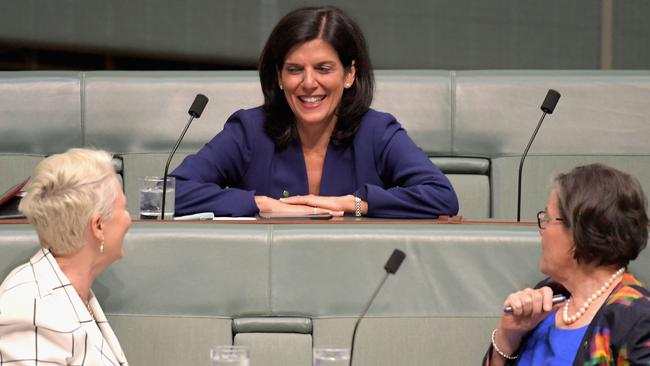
268, 204
333, 204
529, 308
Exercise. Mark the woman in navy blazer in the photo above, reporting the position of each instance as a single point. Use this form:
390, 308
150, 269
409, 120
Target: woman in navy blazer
315, 146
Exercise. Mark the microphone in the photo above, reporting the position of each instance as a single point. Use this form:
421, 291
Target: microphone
391, 266
548, 106
195, 112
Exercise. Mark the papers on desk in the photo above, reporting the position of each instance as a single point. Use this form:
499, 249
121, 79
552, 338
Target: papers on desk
210, 216
196, 216
229, 218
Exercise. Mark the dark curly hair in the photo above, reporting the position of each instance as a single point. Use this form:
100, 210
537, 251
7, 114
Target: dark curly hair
606, 210
342, 33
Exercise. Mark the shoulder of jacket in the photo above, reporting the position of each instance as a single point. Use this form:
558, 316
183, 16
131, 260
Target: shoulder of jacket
377, 123
53, 311
375, 116
252, 115
632, 292
16, 277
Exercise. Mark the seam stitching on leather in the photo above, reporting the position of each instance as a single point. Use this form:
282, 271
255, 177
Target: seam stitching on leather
452, 95
82, 106
269, 241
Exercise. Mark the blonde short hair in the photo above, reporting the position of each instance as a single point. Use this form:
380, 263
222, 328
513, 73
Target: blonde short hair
63, 194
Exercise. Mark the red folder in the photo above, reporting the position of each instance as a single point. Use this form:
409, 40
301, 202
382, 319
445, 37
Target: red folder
9, 201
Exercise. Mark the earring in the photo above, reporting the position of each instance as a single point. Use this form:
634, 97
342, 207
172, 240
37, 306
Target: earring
101, 247
347, 85
281, 87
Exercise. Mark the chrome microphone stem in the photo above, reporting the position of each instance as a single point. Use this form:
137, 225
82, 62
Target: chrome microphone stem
169, 160
363, 314
521, 166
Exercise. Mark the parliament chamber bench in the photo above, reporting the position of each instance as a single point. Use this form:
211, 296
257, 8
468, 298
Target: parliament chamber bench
281, 289
473, 124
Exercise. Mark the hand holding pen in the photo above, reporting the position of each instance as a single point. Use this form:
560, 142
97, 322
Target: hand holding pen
557, 299
522, 311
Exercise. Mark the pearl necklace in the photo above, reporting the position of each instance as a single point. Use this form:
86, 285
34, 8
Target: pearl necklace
583, 309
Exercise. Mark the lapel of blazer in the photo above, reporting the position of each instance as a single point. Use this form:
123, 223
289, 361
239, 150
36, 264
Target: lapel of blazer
106, 329
52, 281
63, 308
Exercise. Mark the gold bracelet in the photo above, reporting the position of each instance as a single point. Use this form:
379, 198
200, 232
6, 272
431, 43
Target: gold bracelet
494, 344
357, 206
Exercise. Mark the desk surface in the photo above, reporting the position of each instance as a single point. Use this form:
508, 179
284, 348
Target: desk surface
335, 220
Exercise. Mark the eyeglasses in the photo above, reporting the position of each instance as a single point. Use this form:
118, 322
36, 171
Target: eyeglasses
543, 218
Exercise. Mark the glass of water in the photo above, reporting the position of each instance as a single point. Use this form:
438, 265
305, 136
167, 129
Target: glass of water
229, 356
331, 356
151, 198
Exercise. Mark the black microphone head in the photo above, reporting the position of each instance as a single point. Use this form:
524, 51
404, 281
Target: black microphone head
198, 105
394, 261
550, 101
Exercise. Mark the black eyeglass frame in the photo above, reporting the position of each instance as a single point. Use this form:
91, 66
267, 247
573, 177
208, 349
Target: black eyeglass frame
543, 217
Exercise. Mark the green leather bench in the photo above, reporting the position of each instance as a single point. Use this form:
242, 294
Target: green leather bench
473, 124
283, 288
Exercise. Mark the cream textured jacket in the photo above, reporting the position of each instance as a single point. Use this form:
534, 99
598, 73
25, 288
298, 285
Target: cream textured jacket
43, 319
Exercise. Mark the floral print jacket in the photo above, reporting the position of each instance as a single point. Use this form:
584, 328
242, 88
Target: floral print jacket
619, 334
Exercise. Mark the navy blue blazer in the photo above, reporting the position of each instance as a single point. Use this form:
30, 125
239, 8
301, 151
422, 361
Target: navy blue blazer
382, 166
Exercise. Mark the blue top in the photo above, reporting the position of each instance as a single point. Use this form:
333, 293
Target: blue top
382, 166
549, 345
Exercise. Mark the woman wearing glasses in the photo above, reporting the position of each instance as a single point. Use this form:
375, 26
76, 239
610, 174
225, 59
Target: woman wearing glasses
594, 224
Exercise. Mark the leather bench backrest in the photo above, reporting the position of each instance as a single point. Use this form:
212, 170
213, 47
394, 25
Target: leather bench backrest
140, 115
40, 113
602, 116
473, 124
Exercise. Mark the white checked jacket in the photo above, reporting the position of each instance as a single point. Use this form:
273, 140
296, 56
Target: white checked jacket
44, 321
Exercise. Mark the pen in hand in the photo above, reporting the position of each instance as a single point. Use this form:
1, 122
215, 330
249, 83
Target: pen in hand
556, 300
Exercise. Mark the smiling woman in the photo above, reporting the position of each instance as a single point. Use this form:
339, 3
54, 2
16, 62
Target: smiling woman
315, 146
313, 80
49, 312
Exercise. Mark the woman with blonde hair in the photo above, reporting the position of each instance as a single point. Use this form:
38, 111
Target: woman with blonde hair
48, 312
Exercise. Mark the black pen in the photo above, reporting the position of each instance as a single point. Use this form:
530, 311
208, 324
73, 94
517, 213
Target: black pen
556, 300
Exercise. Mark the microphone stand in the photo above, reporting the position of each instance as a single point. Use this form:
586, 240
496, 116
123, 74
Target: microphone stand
195, 112
521, 166
392, 265
550, 101
169, 160
363, 314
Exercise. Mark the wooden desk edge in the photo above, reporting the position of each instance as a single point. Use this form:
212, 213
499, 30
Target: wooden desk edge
336, 220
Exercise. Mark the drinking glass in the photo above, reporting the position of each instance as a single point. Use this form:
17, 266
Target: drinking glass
151, 198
